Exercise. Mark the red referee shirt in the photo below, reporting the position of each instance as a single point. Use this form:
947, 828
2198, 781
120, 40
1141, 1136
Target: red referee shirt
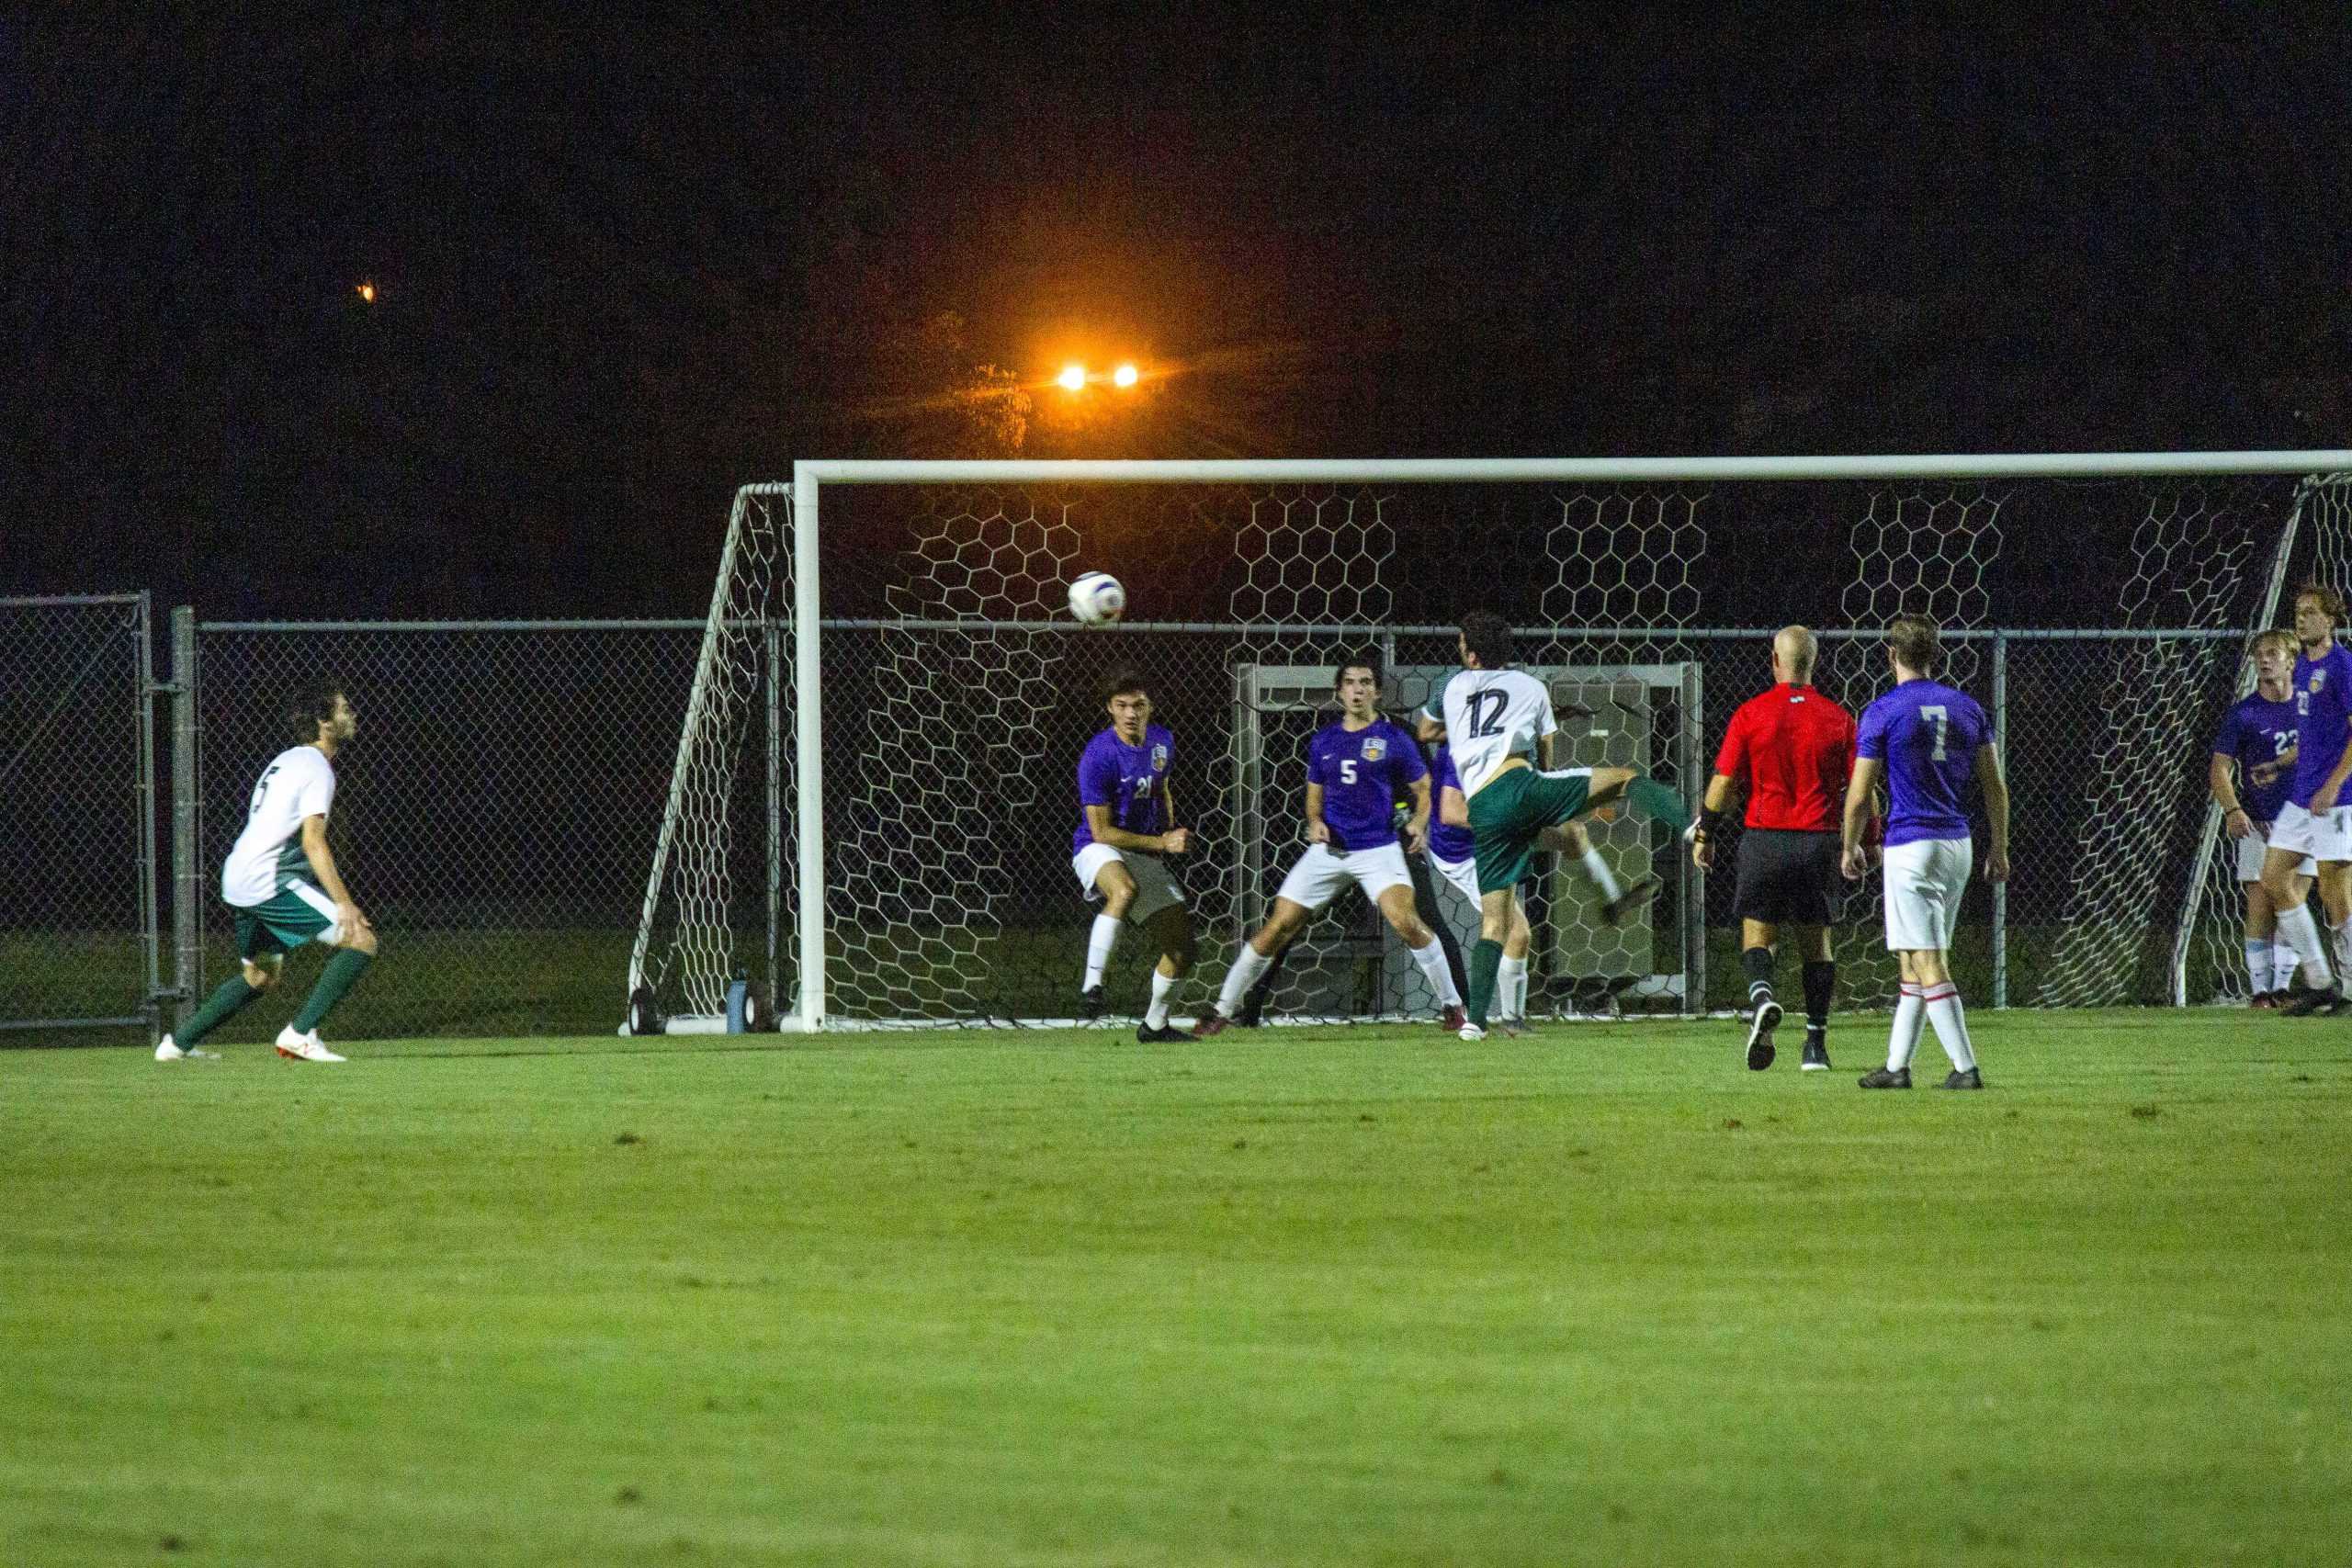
1795, 748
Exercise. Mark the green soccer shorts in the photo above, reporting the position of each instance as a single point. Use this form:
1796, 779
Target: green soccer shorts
297, 914
1508, 817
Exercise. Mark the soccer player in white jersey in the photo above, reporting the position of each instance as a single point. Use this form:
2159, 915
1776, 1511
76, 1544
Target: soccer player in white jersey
1498, 723
2315, 820
2254, 761
1356, 769
281, 883
1928, 740
1126, 816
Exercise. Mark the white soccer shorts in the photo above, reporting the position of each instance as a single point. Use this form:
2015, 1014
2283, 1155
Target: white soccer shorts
1457, 895
2253, 849
1155, 889
1925, 879
1322, 874
2326, 837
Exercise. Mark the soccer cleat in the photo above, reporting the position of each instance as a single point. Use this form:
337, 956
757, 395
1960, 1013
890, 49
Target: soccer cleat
2265, 1001
1510, 1028
1887, 1078
1251, 1016
296, 1046
1614, 911
169, 1051
2304, 1004
1166, 1033
1211, 1025
1759, 1035
1817, 1054
1454, 1018
1089, 1004
1471, 1032
1969, 1080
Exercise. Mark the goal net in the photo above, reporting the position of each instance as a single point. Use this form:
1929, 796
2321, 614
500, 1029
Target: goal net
871, 808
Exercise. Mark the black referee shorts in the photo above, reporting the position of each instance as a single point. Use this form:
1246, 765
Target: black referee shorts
1789, 877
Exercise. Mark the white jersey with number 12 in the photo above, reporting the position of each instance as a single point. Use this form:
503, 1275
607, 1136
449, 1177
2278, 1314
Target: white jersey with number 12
1492, 715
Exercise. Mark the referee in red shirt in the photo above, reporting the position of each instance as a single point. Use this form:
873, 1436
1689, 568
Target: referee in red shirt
1791, 750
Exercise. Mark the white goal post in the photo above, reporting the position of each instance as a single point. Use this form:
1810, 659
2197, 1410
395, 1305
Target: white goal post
1312, 548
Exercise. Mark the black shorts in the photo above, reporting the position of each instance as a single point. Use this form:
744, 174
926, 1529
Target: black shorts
1789, 877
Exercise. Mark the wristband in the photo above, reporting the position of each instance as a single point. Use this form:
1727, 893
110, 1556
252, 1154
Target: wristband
1710, 822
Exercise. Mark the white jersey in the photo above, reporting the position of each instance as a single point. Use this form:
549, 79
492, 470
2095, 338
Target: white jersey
297, 785
1492, 715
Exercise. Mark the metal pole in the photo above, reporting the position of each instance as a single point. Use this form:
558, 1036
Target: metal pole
809, 758
151, 935
1694, 881
187, 820
772, 668
2001, 750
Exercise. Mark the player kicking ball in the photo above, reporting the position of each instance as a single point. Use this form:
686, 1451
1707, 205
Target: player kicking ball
1498, 722
1356, 769
281, 883
1126, 825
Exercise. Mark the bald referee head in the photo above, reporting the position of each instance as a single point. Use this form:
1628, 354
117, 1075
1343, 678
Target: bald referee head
1793, 651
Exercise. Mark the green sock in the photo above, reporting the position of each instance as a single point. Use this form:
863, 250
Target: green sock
1659, 803
1485, 961
218, 1009
342, 972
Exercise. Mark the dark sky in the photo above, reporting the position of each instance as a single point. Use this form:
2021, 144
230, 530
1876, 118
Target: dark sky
619, 273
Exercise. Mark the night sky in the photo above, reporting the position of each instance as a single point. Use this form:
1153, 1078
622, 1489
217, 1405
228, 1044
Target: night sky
618, 273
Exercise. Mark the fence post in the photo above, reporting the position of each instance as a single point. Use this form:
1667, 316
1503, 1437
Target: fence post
2001, 889
187, 817
150, 934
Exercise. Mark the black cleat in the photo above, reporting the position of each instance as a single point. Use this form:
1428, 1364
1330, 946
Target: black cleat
1614, 911
1089, 1004
1759, 1035
1210, 1025
1885, 1078
1816, 1053
1251, 1016
2327, 1002
1166, 1033
1969, 1080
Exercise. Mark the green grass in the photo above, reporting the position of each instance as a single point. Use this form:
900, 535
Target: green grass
1349, 1296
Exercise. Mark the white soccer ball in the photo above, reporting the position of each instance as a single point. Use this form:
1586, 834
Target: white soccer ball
1097, 599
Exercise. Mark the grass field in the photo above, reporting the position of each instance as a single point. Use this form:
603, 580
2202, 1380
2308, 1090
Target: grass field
1355, 1296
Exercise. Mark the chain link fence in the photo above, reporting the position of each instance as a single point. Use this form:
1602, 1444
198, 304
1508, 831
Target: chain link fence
77, 776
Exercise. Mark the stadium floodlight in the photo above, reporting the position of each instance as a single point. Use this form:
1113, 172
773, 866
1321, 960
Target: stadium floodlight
1072, 379
1124, 376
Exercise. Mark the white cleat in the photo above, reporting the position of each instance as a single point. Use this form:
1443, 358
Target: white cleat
298, 1047
1471, 1032
169, 1051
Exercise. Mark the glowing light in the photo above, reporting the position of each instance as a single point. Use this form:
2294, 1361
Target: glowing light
1073, 376
1124, 376
366, 292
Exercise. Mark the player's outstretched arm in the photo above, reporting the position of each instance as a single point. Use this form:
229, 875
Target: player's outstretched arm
1996, 810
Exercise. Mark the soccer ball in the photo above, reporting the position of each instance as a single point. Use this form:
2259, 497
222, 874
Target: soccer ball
1097, 599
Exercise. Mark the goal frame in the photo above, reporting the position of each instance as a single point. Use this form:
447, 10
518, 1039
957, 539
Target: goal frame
811, 476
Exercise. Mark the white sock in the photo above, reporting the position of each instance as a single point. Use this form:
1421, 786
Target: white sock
1510, 987
1249, 964
2257, 964
1156, 1015
1430, 957
1903, 1038
2282, 966
2302, 934
1602, 877
1099, 943
1951, 1024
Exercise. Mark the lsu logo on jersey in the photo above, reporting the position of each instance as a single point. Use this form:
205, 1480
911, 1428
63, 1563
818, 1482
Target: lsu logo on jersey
1159, 758
1374, 749
2319, 679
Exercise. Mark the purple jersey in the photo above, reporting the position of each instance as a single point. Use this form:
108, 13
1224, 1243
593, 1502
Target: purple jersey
1453, 845
1363, 773
1127, 779
2323, 720
1928, 735
2257, 730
